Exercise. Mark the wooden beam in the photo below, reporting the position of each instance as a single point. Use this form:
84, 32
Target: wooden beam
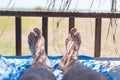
45, 32
71, 23
97, 37
18, 35
60, 14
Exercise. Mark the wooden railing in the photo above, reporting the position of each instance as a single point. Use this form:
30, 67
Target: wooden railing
71, 15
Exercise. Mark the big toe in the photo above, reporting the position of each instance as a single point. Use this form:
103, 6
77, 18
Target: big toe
38, 33
73, 31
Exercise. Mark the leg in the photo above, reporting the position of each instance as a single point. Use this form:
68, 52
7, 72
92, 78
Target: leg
40, 69
73, 69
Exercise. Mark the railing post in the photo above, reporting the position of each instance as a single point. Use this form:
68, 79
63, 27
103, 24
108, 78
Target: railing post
71, 23
45, 32
18, 35
97, 37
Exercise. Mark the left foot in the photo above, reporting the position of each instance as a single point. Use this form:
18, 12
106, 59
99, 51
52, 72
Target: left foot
36, 45
72, 47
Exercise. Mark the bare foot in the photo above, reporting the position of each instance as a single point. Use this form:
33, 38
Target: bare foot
32, 40
72, 42
36, 45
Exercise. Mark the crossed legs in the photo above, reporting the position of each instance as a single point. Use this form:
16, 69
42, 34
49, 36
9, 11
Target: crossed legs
73, 69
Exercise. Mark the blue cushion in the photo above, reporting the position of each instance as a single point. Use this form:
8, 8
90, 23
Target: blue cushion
12, 67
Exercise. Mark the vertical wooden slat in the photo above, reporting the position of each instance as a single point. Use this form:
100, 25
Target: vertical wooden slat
45, 32
71, 23
18, 35
97, 37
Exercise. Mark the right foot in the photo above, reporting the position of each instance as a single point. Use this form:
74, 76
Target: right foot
72, 47
36, 45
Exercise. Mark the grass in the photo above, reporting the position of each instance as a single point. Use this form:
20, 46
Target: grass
7, 41
57, 36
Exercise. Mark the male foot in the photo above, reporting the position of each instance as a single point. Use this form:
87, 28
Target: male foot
72, 47
36, 46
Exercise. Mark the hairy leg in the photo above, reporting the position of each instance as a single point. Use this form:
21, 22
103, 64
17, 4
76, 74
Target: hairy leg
40, 69
73, 69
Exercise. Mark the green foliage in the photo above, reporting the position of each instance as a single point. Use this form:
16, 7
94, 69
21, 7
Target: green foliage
38, 8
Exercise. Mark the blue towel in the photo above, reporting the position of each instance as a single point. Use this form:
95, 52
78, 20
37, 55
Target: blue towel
12, 67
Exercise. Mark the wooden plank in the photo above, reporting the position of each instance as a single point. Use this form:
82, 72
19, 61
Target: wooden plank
97, 37
60, 14
18, 35
71, 23
45, 32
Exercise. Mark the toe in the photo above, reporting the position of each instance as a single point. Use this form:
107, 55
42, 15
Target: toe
77, 35
37, 31
77, 38
72, 32
32, 36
